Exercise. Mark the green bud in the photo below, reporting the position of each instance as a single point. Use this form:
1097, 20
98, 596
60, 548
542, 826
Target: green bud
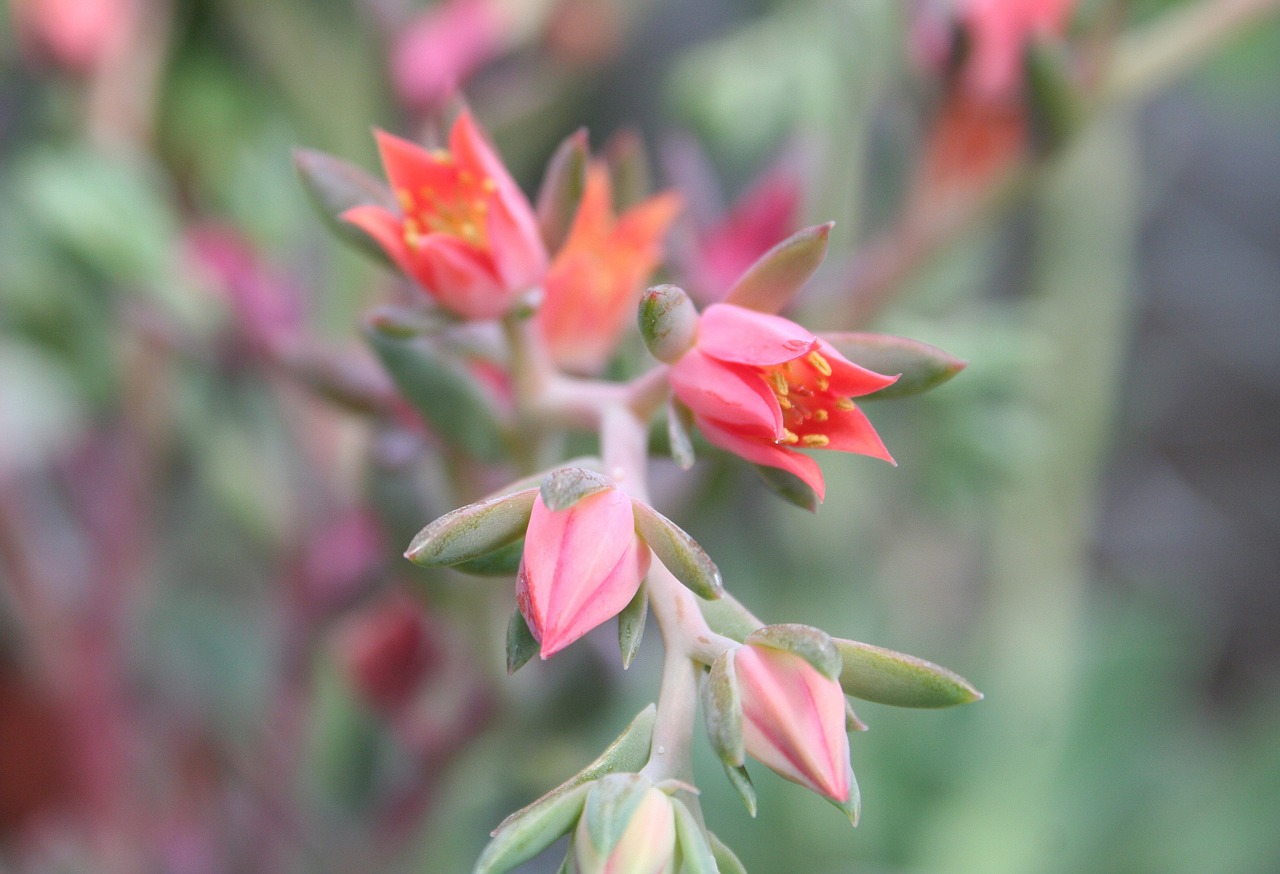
668, 322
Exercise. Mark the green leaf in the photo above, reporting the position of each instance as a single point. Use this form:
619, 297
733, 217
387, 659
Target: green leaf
811, 644
874, 673
502, 562
537, 827
727, 616
473, 531
451, 399
631, 625
678, 552
726, 861
628, 752
521, 644
694, 849
740, 780
789, 487
405, 323
770, 283
335, 186
679, 425
922, 366
722, 708
562, 187
566, 486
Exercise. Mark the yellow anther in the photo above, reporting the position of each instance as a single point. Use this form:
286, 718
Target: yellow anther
442, 156
815, 441
779, 383
488, 186
820, 364
844, 404
405, 198
820, 415
822, 384
784, 403
466, 177
788, 437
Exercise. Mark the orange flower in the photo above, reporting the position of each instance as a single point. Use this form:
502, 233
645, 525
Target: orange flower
595, 281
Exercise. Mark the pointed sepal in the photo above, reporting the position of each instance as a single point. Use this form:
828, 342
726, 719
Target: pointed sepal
631, 625
770, 283
740, 780
473, 531
789, 487
922, 366
678, 552
811, 644
851, 806
680, 434
537, 827
334, 186
726, 861
722, 709
567, 486
874, 673
562, 187
521, 644
695, 850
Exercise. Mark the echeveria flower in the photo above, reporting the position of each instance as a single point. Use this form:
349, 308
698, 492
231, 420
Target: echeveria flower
464, 231
596, 278
581, 566
628, 826
761, 387
793, 719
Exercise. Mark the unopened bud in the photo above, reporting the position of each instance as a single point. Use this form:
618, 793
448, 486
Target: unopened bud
668, 322
628, 825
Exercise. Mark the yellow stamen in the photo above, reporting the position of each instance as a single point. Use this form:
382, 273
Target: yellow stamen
845, 404
779, 383
820, 364
815, 441
405, 198
820, 415
488, 186
788, 437
784, 403
442, 156
822, 384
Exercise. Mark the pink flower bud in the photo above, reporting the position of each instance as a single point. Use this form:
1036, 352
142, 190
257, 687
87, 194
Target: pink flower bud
442, 47
388, 651
647, 843
581, 566
761, 386
793, 719
464, 230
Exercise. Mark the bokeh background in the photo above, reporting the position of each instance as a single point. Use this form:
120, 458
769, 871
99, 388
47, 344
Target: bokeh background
212, 657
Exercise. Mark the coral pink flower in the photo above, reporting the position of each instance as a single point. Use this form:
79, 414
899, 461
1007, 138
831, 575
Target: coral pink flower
760, 386
793, 719
465, 231
581, 566
999, 31
442, 47
766, 213
77, 35
595, 281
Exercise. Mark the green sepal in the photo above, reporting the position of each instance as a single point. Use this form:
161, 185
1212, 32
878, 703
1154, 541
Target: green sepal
695, 851
334, 186
851, 807
727, 616
874, 673
722, 709
537, 827
789, 487
628, 752
678, 552
922, 367
405, 323
851, 720
726, 861
1054, 106
740, 780
535, 480
679, 433
503, 562
631, 624
447, 395
566, 486
521, 644
562, 185
473, 531
610, 807
811, 644
770, 283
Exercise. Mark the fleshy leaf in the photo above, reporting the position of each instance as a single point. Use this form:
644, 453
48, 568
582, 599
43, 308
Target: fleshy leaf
679, 552
537, 827
502, 562
811, 644
727, 616
922, 366
521, 644
405, 323
562, 187
334, 186
694, 849
874, 673
628, 752
567, 486
726, 861
722, 708
447, 395
679, 427
473, 531
789, 487
741, 782
770, 283
631, 625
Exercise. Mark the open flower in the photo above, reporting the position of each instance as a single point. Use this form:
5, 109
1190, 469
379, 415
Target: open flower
793, 719
761, 386
596, 278
464, 230
581, 566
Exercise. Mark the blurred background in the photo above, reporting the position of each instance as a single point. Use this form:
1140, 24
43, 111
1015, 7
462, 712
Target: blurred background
213, 658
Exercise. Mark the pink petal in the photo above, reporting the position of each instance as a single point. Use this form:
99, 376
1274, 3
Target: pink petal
387, 231
769, 454
850, 380
730, 395
460, 277
851, 431
742, 336
408, 166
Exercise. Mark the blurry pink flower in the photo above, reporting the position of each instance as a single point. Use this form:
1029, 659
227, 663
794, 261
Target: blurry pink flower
765, 214
76, 35
581, 566
465, 231
388, 651
442, 47
596, 279
760, 386
999, 31
793, 719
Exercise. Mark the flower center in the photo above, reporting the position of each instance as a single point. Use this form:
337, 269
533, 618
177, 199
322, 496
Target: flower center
456, 205
803, 389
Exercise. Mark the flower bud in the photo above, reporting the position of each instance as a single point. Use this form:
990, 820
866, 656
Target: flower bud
628, 826
793, 719
668, 322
